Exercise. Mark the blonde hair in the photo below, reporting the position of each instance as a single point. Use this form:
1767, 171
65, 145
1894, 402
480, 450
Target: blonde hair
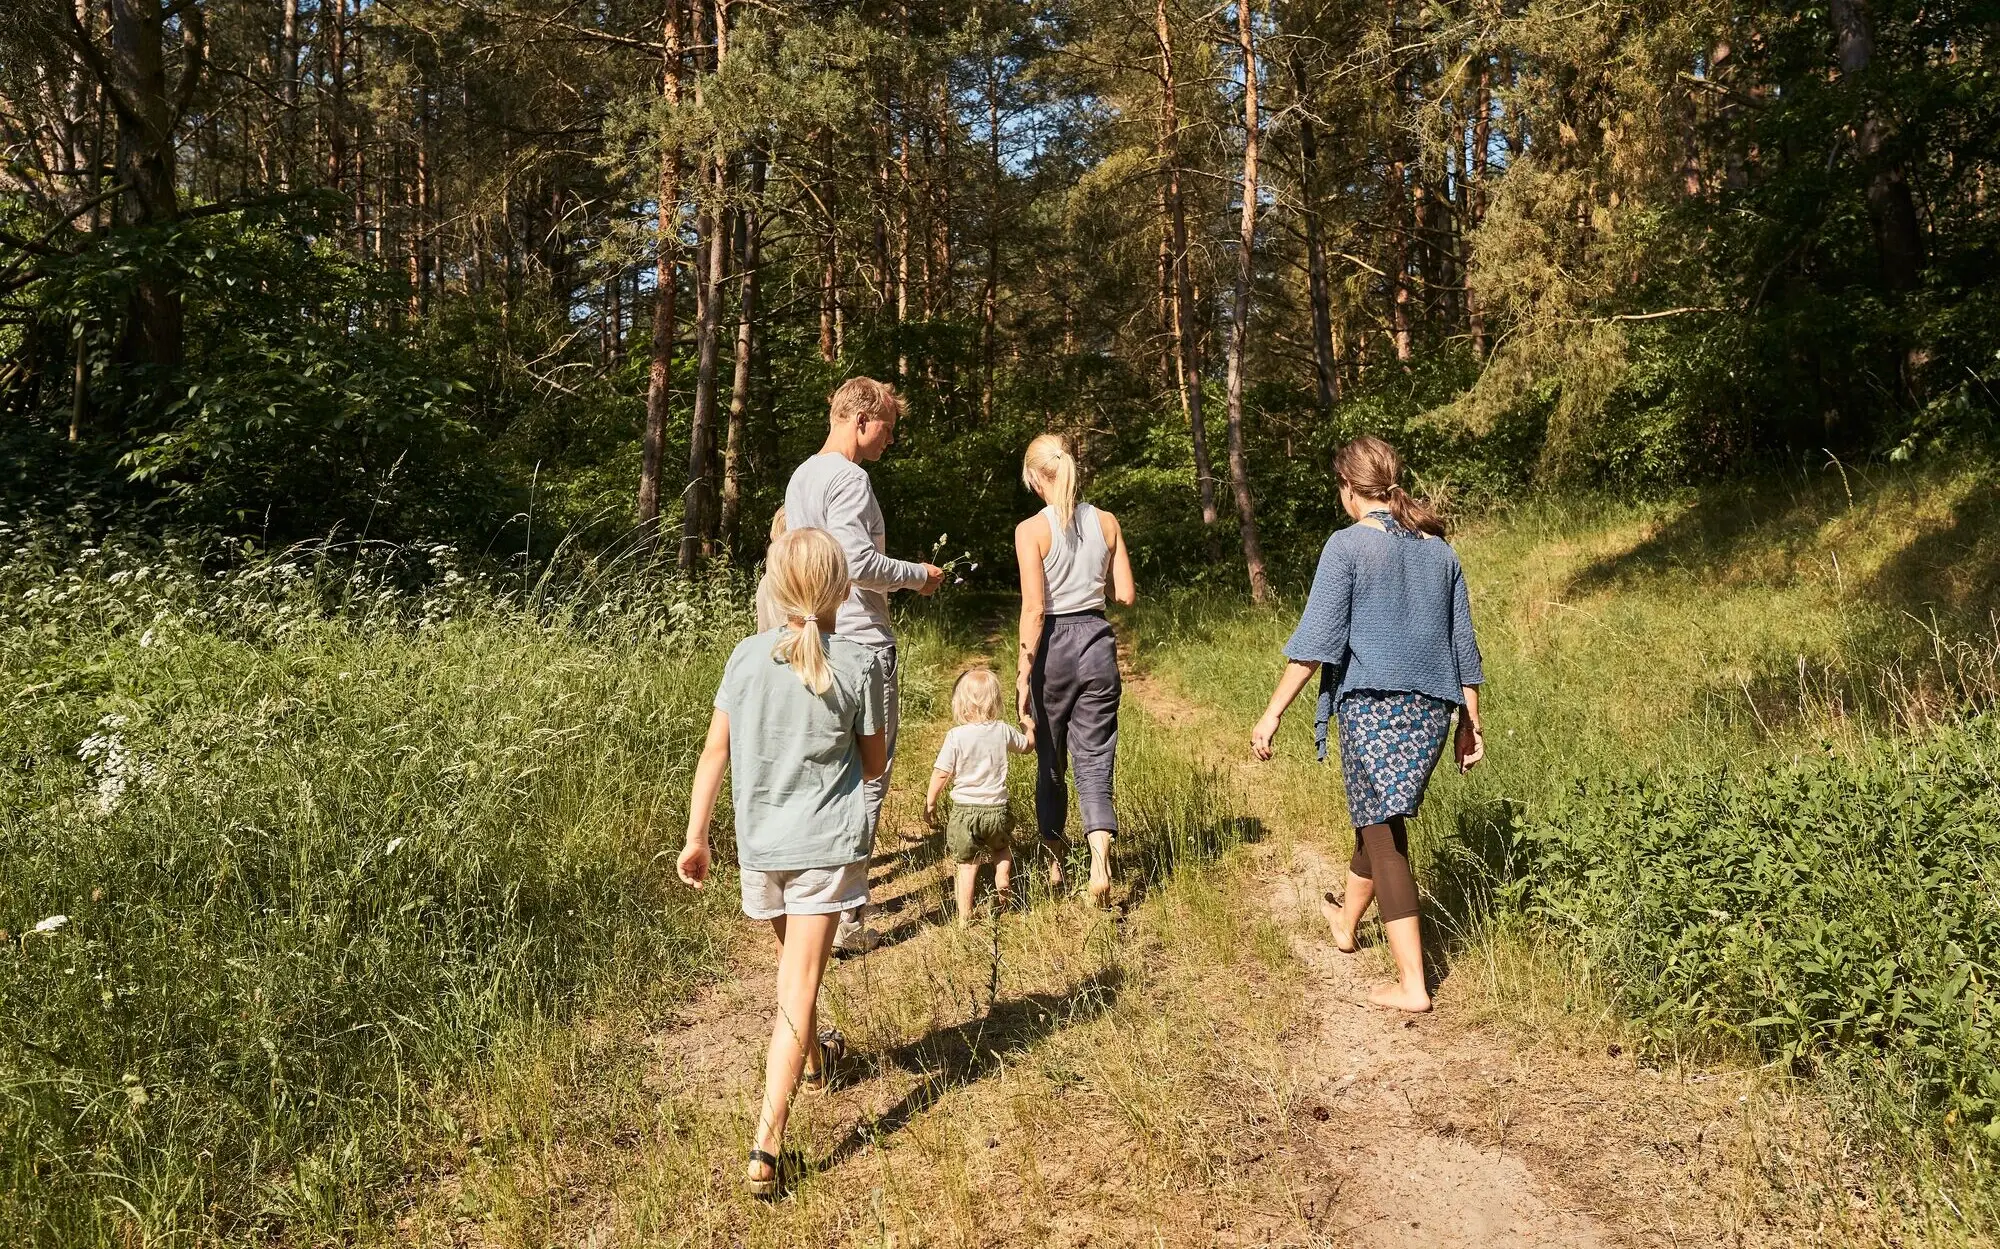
778, 525
1050, 471
808, 580
975, 696
863, 397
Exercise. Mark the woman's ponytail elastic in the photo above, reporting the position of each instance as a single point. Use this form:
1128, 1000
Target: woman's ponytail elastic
1371, 467
1050, 471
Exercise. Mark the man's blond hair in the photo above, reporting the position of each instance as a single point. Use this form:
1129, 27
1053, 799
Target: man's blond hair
864, 397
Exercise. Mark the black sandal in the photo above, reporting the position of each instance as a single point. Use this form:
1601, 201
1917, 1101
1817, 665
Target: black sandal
832, 1048
763, 1189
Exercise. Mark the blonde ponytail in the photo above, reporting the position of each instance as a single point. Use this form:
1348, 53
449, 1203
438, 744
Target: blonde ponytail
1050, 471
808, 580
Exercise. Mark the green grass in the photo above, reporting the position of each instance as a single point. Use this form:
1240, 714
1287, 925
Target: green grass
1783, 844
321, 847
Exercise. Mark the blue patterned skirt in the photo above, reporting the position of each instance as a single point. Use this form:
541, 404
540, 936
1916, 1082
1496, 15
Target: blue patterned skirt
1389, 744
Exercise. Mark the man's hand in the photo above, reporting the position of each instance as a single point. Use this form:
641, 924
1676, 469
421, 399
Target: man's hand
933, 578
1024, 705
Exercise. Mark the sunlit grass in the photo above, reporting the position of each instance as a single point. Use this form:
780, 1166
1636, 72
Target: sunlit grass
323, 864
1738, 628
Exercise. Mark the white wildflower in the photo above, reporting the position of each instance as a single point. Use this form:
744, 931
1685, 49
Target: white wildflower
50, 924
395, 844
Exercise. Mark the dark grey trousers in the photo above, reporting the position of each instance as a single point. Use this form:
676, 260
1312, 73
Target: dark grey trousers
1074, 689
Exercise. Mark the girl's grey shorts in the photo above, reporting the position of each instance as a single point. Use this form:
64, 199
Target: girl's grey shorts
804, 891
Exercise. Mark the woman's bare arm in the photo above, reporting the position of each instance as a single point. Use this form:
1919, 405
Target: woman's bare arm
1471, 744
1124, 591
1031, 544
1290, 682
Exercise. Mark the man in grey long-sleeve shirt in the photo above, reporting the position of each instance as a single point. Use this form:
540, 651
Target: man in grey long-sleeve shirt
831, 491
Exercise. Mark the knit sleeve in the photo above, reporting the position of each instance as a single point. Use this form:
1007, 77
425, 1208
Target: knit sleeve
1464, 643
1321, 637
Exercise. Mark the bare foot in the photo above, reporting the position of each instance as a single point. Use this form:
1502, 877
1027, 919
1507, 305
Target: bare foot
1100, 893
1343, 936
1393, 995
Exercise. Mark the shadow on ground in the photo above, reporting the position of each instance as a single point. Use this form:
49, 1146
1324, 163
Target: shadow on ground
956, 1056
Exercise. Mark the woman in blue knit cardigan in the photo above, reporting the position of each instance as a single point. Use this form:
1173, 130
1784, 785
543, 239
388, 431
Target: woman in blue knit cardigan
1389, 623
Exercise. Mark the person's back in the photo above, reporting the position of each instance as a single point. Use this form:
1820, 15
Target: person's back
1403, 629
1389, 611
831, 492
976, 756
797, 780
1078, 562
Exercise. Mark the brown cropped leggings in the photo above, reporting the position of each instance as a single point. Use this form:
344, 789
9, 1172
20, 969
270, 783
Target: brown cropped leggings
1382, 854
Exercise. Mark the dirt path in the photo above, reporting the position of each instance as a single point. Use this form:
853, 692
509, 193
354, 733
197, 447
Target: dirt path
1457, 1134
1199, 1069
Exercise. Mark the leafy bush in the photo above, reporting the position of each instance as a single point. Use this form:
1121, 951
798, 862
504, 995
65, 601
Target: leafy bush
301, 403
283, 848
1824, 910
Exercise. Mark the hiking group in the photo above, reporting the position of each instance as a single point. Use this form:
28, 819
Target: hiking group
806, 716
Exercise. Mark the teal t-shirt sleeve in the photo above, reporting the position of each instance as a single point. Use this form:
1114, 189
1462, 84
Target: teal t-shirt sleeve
729, 694
872, 717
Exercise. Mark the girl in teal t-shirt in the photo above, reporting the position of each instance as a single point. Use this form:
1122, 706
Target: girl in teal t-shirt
798, 723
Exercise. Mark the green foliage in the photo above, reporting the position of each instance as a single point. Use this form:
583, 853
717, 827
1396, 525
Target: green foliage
321, 843
1825, 910
300, 403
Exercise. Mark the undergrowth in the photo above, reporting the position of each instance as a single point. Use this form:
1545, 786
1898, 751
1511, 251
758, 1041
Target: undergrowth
287, 848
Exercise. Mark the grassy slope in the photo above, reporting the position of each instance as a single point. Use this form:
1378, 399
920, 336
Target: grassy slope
316, 869
1745, 626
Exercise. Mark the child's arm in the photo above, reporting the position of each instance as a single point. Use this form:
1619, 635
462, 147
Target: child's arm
693, 863
939, 779
1021, 743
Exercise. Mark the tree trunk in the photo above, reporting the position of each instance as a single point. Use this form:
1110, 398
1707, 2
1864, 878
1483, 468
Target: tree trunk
1892, 209
1239, 327
1482, 138
750, 240
829, 274
666, 246
1186, 341
288, 95
1326, 380
148, 109
989, 306
712, 249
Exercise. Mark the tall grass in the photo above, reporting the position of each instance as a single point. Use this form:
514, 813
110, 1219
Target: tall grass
284, 848
1729, 768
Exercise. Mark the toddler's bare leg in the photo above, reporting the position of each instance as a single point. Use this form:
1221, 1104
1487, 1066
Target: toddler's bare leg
968, 880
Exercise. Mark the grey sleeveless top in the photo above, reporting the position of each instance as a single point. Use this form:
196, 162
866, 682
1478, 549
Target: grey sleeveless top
1077, 562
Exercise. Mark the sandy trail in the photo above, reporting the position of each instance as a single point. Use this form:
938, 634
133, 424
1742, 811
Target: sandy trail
1449, 1134
966, 1120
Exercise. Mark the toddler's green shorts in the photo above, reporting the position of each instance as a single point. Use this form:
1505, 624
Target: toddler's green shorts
979, 834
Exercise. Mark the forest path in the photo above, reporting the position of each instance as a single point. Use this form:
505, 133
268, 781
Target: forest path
1455, 1133
1199, 1067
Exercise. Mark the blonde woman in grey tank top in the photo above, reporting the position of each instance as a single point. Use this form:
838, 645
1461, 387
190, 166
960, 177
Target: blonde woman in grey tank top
1068, 685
